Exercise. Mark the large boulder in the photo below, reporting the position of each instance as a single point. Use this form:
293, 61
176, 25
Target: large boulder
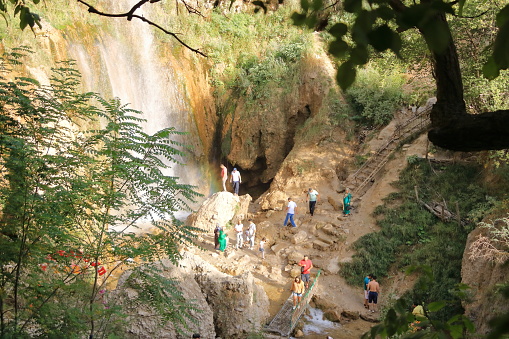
275, 200
144, 322
221, 208
240, 306
225, 306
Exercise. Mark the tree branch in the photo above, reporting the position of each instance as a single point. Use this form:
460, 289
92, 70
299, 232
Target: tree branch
129, 15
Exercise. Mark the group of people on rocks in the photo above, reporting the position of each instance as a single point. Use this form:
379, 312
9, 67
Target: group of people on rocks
312, 199
246, 238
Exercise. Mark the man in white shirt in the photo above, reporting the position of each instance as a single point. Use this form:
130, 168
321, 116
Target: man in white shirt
236, 179
291, 209
239, 229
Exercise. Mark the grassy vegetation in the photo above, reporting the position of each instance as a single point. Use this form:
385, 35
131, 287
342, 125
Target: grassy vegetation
411, 236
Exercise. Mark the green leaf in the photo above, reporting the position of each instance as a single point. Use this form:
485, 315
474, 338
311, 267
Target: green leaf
311, 21
317, 5
304, 4
338, 48
503, 16
362, 26
23, 19
352, 6
436, 306
338, 30
359, 55
501, 47
346, 75
298, 18
385, 13
36, 1
382, 38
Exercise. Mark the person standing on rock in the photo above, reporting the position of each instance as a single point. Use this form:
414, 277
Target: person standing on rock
251, 232
222, 240
236, 179
347, 200
216, 236
262, 247
291, 209
224, 176
297, 291
239, 229
373, 292
312, 197
367, 279
305, 267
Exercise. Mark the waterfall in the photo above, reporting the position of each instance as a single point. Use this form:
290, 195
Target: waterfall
123, 62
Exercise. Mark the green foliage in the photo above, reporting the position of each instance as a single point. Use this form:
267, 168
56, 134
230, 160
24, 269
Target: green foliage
375, 97
381, 26
410, 235
70, 200
400, 323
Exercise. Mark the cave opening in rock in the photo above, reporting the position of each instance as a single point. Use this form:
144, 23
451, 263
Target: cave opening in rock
252, 182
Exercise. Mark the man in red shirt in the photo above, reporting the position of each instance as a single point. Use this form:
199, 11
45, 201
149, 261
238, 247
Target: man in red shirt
306, 266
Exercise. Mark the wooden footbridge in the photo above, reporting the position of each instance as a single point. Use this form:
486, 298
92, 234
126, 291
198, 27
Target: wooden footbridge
284, 322
366, 174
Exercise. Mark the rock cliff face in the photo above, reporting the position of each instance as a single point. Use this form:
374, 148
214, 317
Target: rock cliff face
483, 276
227, 306
263, 136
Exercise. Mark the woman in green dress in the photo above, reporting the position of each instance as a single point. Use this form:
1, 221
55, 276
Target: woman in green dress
222, 240
347, 199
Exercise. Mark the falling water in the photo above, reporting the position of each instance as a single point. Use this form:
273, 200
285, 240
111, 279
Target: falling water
315, 326
124, 63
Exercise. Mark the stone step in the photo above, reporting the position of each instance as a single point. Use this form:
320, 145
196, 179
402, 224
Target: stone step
320, 245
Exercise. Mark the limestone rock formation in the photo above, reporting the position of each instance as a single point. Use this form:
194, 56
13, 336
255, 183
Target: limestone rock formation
483, 276
227, 306
221, 208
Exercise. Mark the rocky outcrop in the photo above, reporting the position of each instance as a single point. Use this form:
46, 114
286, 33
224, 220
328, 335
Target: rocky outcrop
483, 277
221, 208
223, 305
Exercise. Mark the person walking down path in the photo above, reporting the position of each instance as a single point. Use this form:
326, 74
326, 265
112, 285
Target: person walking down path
312, 197
224, 176
216, 236
347, 200
236, 179
297, 291
262, 247
305, 268
291, 209
251, 232
239, 230
222, 240
367, 279
373, 292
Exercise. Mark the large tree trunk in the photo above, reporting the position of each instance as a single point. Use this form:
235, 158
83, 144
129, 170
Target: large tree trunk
451, 127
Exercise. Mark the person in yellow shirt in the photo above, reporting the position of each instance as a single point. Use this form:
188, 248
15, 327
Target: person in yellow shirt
418, 311
297, 291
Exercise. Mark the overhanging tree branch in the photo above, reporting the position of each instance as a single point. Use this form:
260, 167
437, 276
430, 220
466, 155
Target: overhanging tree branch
130, 15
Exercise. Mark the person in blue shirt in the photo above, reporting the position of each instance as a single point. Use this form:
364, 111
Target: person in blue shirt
367, 279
